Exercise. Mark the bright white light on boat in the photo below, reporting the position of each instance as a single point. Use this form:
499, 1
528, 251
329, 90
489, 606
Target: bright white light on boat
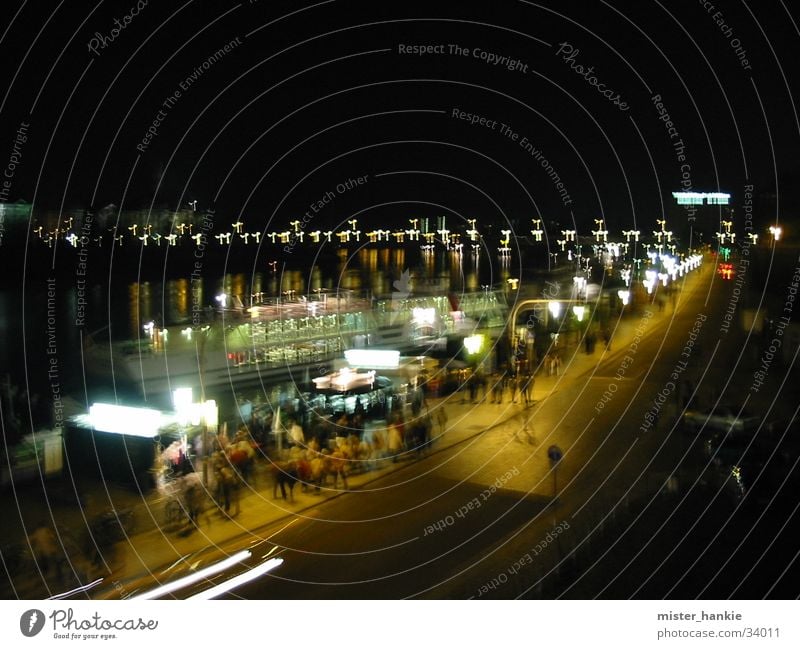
188, 580
124, 420
182, 397
239, 580
423, 316
473, 344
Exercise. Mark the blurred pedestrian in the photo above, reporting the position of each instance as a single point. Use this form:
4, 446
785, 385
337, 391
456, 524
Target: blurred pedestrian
193, 503
473, 387
499, 379
527, 388
45, 548
296, 435
229, 486
395, 440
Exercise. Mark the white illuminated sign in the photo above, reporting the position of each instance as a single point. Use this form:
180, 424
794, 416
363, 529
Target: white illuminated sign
700, 198
373, 358
423, 316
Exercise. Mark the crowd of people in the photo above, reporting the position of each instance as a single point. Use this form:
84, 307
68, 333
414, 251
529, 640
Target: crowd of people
518, 385
300, 446
315, 452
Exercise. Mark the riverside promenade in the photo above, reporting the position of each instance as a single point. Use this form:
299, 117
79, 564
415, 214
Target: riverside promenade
153, 544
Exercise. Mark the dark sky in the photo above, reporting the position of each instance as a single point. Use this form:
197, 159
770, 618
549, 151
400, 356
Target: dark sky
312, 94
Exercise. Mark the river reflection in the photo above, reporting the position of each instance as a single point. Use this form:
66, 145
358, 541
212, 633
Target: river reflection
367, 271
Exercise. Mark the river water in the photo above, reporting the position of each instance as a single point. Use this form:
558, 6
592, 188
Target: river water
48, 315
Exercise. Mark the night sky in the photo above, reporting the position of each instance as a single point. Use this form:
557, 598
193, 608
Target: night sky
261, 108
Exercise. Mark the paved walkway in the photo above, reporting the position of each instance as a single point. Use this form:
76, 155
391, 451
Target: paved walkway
154, 544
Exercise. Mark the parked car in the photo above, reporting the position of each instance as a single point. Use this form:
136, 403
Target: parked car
721, 419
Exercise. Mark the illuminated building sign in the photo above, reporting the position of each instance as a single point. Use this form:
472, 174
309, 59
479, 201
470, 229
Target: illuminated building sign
379, 359
701, 198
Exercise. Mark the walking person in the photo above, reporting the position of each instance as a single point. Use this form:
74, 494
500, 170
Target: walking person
527, 388
395, 438
45, 547
229, 487
473, 387
497, 389
193, 503
441, 419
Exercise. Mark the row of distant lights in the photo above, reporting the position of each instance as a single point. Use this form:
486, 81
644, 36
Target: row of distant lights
672, 267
